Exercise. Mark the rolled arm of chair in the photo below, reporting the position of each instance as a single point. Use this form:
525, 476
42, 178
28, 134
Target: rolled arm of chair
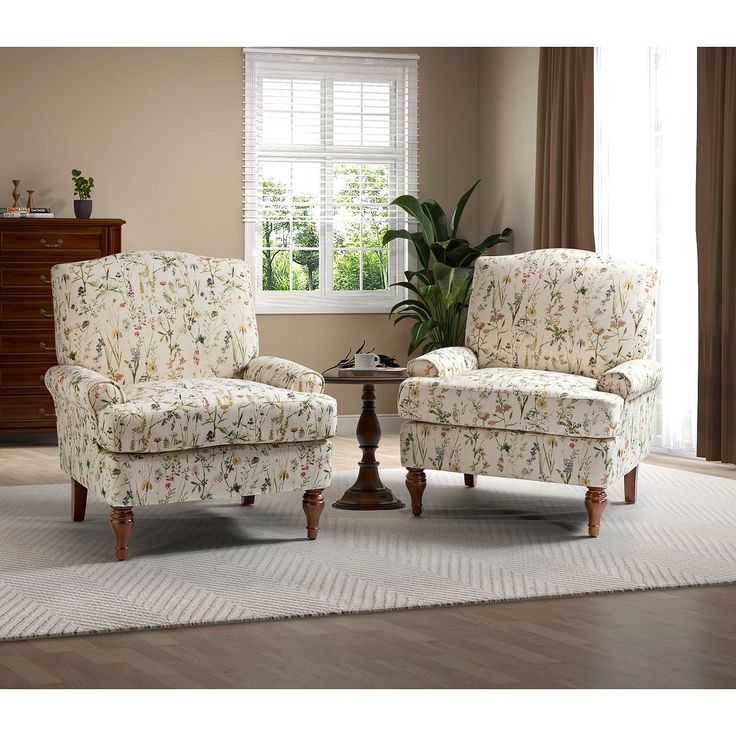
84, 387
283, 373
631, 379
443, 362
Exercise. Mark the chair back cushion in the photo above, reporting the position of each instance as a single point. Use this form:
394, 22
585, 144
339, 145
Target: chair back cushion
561, 310
155, 315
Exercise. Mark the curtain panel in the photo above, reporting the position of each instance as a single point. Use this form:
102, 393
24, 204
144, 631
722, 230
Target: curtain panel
715, 223
563, 208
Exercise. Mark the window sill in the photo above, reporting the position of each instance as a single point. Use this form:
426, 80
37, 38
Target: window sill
300, 303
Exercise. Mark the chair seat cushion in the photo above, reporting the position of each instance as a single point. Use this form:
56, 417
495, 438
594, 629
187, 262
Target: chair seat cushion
516, 399
182, 414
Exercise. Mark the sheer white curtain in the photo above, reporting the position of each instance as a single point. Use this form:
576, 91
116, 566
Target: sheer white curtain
645, 120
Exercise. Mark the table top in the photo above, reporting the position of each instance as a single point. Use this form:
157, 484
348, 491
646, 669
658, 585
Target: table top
332, 377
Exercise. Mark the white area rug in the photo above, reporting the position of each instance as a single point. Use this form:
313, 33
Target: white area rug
213, 562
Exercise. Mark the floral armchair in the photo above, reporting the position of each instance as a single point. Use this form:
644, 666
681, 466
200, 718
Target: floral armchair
556, 381
161, 396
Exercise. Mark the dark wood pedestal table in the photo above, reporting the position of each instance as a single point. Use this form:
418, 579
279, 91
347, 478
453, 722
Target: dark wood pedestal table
368, 493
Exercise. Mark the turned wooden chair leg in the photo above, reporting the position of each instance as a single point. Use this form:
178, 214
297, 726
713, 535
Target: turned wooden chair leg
630, 485
247, 500
79, 501
416, 482
121, 522
469, 480
313, 502
595, 503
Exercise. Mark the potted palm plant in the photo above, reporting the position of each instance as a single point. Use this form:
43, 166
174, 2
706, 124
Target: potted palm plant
82, 188
440, 288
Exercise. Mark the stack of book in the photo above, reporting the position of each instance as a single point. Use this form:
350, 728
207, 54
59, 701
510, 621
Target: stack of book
25, 212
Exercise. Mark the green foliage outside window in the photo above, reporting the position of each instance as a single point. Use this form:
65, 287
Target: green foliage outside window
361, 220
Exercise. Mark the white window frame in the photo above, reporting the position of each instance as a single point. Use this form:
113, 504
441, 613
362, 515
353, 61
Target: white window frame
401, 156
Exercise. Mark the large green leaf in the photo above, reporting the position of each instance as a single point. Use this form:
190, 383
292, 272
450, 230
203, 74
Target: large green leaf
420, 243
411, 286
413, 206
458, 212
390, 235
506, 236
438, 217
425, 276
419, 332
454, 283
412, 305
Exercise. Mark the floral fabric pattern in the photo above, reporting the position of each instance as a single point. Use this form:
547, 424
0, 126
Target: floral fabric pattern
562, 389
443, 362
284, 373
632, 378
150, 402
82, 386
155, 315
224, 472
530, 455
516, 399
561, 310
199, 412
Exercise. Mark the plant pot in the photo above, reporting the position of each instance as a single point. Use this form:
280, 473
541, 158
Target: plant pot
82, 209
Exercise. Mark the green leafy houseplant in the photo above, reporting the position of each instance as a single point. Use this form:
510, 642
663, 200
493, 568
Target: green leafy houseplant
82, 186
441, 287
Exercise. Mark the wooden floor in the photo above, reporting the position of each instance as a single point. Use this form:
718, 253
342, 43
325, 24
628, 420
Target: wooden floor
656, 639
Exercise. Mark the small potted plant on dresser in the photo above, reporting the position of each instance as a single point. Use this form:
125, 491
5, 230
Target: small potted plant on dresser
82, 188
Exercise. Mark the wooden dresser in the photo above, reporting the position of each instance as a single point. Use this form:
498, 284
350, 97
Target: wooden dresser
28, 249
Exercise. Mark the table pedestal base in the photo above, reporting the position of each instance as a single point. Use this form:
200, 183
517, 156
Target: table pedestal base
368, 492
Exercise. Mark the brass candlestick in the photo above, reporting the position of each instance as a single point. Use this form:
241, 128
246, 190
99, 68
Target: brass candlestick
16, 192
30, 203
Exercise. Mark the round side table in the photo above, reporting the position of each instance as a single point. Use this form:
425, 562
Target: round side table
368, 493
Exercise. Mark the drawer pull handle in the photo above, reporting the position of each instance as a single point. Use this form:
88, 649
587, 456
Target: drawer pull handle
45, 413
44, 313
45, 278
44, 346
45, 243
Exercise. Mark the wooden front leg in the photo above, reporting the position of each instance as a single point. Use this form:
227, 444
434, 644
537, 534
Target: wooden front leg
416, 482
313, 502
630, 485
595, 503
247, 500
469, 480
79, 501
121, 522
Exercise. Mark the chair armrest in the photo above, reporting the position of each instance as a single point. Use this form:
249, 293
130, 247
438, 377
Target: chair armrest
443, 362
83, 387
283, 373
631, 379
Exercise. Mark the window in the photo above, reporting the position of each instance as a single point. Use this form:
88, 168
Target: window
645, 102
330, 140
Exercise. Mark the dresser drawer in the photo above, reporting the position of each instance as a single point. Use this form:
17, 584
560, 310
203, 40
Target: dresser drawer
26, 378
27, 410
14, 344
29, 312
87, 242
26, 279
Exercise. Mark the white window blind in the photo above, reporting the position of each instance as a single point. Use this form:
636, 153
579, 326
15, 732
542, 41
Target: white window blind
330, 139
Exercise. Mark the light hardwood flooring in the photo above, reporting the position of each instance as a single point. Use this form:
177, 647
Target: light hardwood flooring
658, 639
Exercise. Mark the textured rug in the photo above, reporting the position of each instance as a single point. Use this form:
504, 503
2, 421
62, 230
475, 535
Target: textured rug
214, 562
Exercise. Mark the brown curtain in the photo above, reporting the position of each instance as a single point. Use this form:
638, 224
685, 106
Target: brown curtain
563, 207
715, 225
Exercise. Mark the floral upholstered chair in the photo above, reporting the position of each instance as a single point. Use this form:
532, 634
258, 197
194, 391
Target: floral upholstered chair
161, 397
556, 381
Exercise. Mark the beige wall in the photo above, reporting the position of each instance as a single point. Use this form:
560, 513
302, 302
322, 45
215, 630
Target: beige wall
161, 129
507, 101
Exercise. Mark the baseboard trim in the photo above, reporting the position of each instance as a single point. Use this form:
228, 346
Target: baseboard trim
347, 424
